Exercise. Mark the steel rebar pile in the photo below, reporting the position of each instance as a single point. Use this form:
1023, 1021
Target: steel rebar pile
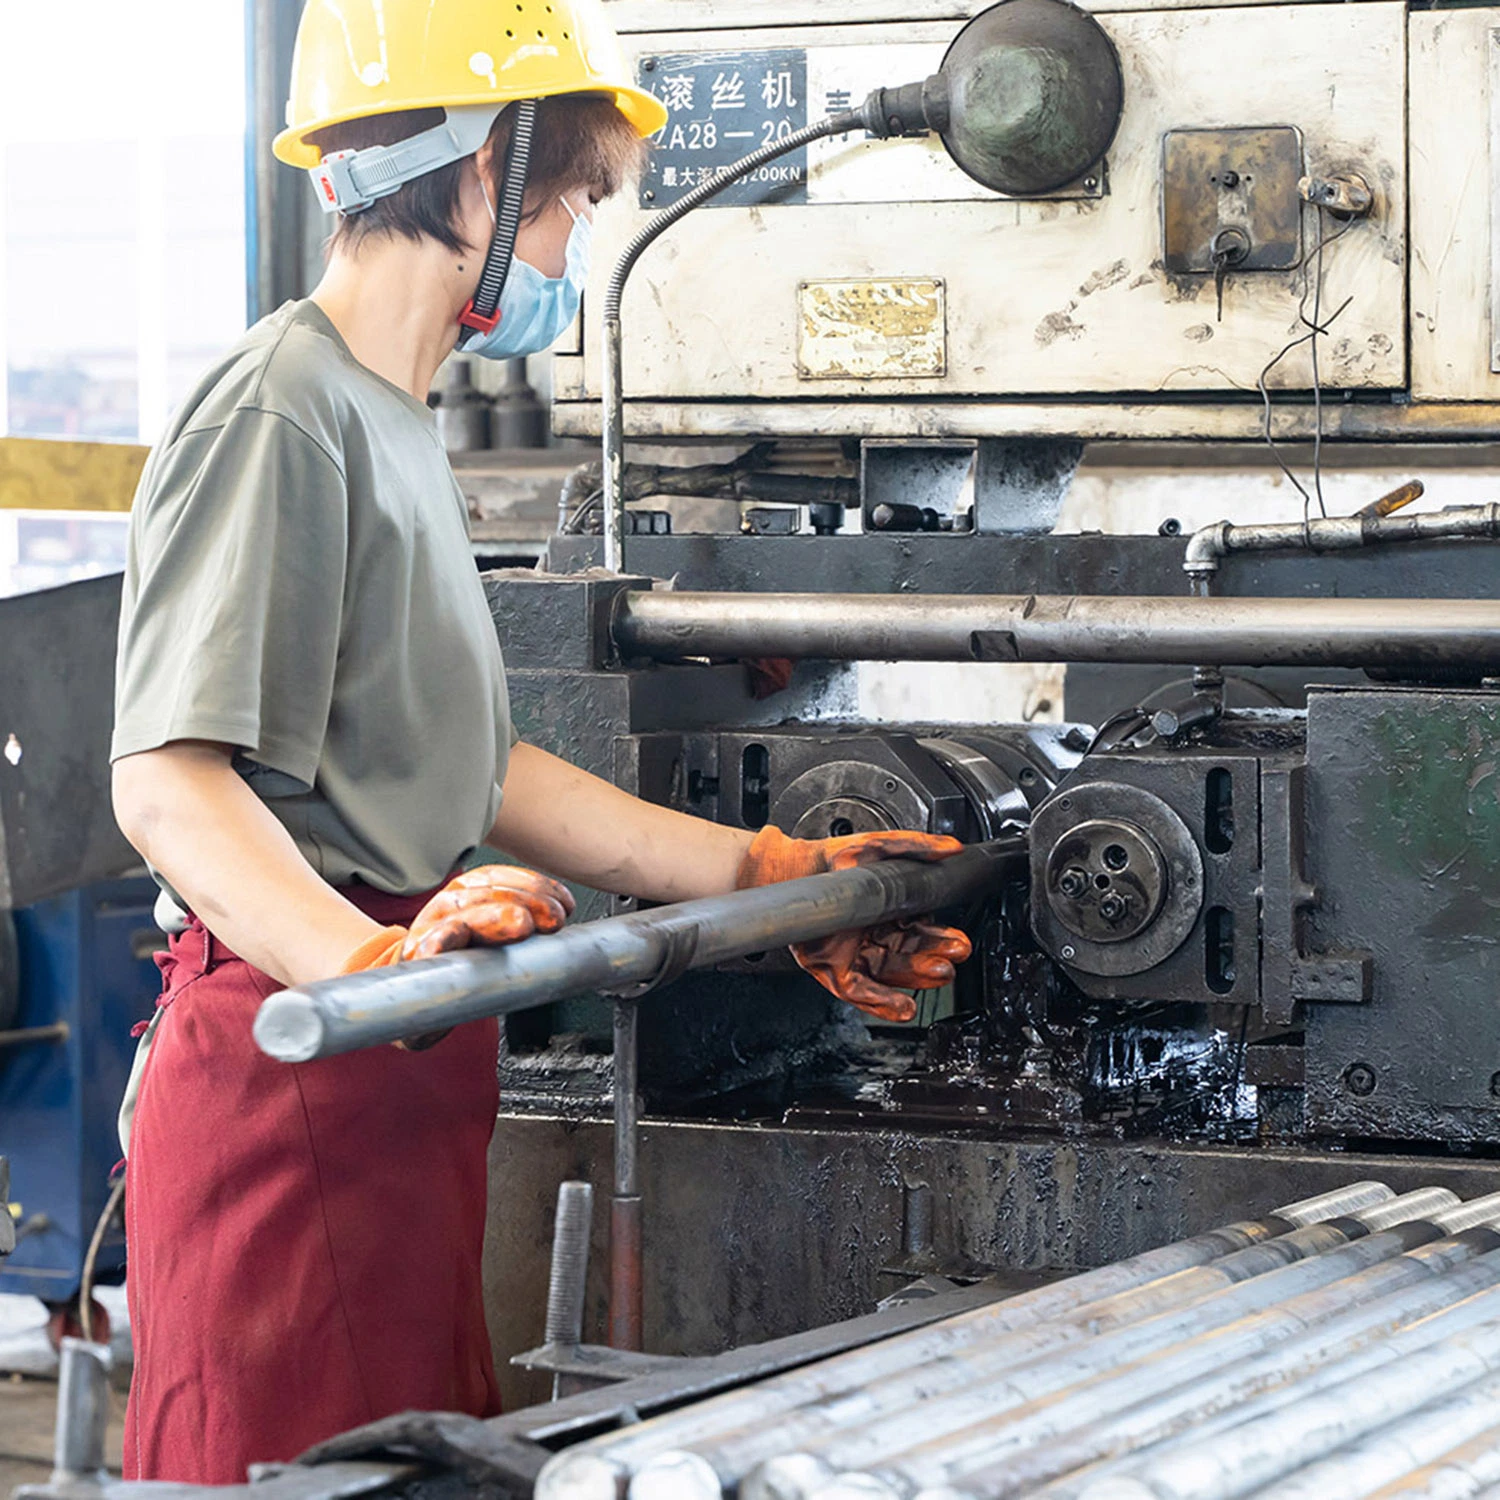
1347, 1345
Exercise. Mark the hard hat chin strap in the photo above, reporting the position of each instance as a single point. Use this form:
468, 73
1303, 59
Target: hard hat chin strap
483, 311
348, 182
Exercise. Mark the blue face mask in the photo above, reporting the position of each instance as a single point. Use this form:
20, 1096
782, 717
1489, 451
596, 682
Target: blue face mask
536, 310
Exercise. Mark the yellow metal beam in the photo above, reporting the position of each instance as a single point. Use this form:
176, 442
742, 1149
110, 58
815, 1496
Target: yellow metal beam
43, 474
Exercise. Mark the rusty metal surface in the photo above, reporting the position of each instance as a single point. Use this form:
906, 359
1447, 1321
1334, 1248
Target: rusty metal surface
1220, 182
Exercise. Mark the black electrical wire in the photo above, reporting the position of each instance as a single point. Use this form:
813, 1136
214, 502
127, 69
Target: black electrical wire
1316, 327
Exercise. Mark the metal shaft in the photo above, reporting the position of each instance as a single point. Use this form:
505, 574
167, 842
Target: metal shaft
1389, 1286
963, 1420
567, 1284
617, 954
1067, 628
626, 1272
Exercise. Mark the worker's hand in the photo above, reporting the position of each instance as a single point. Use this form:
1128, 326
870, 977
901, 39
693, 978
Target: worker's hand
484, 907
869, 967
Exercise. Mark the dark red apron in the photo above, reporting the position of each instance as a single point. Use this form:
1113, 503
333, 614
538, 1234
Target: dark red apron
304, 1241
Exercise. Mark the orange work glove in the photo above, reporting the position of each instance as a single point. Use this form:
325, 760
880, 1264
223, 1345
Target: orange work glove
869, 967
484, 907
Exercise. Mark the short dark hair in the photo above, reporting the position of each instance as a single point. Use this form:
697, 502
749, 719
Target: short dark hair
581, 140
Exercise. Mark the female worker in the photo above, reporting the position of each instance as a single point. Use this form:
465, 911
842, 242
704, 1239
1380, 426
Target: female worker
312, 735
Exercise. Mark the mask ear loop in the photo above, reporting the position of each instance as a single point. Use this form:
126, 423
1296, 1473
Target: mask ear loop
482, 315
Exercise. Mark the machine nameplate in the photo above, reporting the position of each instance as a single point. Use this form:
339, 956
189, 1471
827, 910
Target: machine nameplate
722, 106
871, 330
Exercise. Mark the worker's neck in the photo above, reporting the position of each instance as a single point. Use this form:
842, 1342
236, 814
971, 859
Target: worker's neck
396, 304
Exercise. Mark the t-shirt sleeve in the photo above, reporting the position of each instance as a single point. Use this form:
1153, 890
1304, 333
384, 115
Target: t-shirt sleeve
231, 617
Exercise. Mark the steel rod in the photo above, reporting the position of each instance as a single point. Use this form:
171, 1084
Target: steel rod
1155, 1414
1369, 1301
617, 954
596, 1469
1067, 628
626, 1294
994, 1387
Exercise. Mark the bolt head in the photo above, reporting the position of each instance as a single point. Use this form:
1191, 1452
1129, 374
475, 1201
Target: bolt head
1072, 883
1360, 1079
1112, 907
1069, 951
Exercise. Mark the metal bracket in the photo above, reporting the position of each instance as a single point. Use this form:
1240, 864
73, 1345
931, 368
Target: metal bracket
1334, 978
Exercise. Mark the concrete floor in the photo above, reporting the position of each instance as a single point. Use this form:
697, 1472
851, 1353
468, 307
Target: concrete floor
28, 1411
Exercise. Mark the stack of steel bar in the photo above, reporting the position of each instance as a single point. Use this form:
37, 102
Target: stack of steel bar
1346, 1346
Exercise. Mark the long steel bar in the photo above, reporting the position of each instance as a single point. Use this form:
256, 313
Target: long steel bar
617, 954
598, 1469
804, 1449
1355, 1399
993, 1392
1093, 1434
1068, 628
1367, 1303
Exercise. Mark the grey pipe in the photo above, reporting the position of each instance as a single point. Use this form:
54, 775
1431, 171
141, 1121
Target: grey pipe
601, 1468
1079, 628
1210, 544
1359, 1469
618, 953
1459, 1474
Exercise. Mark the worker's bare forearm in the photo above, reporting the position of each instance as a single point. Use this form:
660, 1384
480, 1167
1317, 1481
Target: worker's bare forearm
577, 826
191, 816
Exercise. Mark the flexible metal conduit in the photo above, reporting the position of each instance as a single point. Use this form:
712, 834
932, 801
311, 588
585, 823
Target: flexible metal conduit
1066, 628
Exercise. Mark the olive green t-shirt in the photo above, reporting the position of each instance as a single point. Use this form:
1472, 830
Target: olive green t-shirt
299, 585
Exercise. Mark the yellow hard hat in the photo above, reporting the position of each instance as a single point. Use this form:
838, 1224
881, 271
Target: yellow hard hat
356, 58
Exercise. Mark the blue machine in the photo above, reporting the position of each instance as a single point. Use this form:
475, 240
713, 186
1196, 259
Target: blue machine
85, 978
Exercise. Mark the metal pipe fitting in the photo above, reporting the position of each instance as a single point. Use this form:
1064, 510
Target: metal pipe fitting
1369, 528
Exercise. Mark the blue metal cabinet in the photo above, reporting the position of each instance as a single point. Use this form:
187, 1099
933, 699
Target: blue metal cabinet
84, 959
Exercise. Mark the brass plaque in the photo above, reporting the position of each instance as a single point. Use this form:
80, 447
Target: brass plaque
871, 330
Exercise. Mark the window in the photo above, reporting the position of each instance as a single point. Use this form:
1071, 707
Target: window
122, 210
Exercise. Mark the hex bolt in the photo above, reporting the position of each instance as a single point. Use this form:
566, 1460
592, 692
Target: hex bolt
1073, 882
1112, 906
1359, 1079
